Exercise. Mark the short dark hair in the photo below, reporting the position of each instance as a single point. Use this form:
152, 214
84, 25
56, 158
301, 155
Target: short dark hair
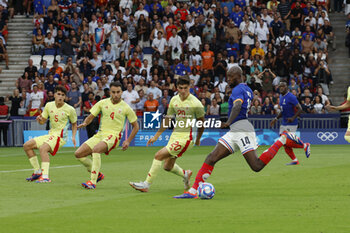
183, 80
60, 88
115, 84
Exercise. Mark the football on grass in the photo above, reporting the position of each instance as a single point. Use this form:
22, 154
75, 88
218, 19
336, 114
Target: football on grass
206, 191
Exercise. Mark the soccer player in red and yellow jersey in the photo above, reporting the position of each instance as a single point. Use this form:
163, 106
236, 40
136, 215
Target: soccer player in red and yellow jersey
342, 107
185, 107
113, 111
60, 114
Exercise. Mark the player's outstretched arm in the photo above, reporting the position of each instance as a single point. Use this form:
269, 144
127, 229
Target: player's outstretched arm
165, 124
199, 132
234, 113
87, 121
338, 108
74, 132
135, 129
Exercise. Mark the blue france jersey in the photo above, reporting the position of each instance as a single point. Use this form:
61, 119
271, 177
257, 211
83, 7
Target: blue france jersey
288, 104
245, 94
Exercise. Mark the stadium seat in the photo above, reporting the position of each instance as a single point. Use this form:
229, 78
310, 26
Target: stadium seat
49, 58
58, 58
148, 57
61, 65
147, 50
36, 59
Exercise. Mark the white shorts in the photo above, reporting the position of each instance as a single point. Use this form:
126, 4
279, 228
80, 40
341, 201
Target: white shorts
289, 128
241, 136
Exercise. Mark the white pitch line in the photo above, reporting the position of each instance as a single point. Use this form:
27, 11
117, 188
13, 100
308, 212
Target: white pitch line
24, 154
24, 170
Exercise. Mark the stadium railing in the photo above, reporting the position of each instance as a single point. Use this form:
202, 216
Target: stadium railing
307, 121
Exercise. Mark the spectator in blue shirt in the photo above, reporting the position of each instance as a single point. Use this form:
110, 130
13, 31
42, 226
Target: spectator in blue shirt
196, 8
232, 48
237, 15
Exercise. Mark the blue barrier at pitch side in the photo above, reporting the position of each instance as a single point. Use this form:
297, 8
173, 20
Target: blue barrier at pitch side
264, 137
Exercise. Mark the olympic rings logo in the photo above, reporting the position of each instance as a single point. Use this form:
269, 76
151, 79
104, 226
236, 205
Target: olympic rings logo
327, 136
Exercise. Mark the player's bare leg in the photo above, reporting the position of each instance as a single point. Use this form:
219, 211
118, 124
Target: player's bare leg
100, 148
45, 163
29, 147
169, 165
83, 156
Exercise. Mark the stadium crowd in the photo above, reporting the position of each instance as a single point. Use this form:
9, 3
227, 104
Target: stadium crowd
147, 45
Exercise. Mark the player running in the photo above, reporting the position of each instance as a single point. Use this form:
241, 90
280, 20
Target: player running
185, 107
290, 110
113, 113
241, 135
60, 113
342, 107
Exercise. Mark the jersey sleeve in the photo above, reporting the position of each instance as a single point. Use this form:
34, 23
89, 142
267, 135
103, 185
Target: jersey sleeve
72, 116
237, 95
348, 94
96, 109
171, 109
130, 114
45, 113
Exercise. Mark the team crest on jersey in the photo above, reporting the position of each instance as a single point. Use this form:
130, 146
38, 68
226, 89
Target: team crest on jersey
106, 107
119, 111
51, 111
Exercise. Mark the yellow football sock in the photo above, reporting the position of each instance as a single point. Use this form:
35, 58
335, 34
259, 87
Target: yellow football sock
177, 170
347, 138
87, 162
95, 168
155, 168
45, 166
35, 164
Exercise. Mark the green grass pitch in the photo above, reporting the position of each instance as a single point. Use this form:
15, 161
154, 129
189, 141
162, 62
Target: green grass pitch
311, 197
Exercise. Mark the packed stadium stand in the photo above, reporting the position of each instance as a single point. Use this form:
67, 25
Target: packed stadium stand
147, 45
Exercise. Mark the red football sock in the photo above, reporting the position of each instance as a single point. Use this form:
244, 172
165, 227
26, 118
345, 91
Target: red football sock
202, 175
290, 152
271, 152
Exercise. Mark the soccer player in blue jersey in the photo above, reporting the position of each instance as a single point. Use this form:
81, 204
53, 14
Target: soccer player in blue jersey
241, 135
290, 111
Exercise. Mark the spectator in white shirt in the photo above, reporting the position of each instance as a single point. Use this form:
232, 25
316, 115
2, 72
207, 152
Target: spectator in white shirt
130, 96
175, 42
262, 33
36, 101
141, 11
115, 37
117, 67
157, 93
247, 29
95, 61
93, 25
49, 41
160, 44
109, 54
193, 41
